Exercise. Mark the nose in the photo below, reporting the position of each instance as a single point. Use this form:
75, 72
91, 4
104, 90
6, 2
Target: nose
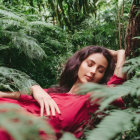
93, 71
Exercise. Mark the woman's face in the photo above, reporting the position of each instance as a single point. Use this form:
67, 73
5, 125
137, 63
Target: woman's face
92, 69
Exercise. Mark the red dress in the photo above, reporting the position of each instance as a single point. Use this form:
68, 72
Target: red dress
75, 109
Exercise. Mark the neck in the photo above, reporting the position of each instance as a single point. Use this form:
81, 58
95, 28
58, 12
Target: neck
74, 88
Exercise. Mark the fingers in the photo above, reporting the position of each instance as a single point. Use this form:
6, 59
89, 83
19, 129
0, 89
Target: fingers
113, 52
50, 106
52, 109
57, 109
47, 109
41, 108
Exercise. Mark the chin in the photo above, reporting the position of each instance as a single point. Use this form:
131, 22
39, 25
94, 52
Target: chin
86, 81
83, 81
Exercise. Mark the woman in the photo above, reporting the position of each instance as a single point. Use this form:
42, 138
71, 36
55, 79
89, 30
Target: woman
71, 111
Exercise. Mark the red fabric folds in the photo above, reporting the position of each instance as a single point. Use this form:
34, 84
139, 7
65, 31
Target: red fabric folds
75, 110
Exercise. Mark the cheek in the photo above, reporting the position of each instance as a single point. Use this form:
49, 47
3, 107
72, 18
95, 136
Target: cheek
82, 70
99, 77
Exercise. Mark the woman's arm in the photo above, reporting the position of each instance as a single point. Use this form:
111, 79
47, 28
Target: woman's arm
12, 95
120, 60
44, 99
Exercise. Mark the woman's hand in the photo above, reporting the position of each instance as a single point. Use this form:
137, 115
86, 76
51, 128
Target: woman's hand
114, 54
45, 101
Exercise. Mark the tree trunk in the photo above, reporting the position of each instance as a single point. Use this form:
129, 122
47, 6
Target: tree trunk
133, 30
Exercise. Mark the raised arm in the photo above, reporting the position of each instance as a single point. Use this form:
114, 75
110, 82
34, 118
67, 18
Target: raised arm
120, 60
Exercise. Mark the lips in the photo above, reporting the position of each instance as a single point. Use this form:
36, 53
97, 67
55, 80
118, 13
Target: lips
89, 78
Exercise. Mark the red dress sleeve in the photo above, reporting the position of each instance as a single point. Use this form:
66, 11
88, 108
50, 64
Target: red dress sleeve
115, 80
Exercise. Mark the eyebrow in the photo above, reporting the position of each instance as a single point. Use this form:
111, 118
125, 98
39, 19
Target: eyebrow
94, 62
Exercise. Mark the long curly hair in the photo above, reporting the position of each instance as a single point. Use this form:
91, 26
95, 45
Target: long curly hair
70, 73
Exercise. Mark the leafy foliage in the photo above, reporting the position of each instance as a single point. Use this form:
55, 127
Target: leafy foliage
112, 127
132, 67
12, 115
32, 46
106, 129
11, 80
36, 37
68, 136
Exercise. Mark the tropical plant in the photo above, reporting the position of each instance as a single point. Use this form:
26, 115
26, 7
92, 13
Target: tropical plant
21, 125
32, 46
37, 36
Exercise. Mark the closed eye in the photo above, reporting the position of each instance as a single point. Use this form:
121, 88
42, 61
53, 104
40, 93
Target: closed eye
90, 63
101, 69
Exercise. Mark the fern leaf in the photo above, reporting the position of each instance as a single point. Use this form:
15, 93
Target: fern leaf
68, 136
12, 79
10, 15
108, 95
26, 126
106, 130
25, 44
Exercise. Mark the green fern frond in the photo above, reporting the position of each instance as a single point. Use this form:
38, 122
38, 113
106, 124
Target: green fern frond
25, 43
4, 47
117, 122
131, 66
108, 95
15, 29
11, 79
53, 42
40, 23
13, 115
5, 87
10, 15
68, 136
7, 23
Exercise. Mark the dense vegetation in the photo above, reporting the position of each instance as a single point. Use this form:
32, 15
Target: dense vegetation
37, 36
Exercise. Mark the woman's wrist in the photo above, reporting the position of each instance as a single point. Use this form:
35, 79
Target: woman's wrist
120, 58
35, 88
2, 94
12, 95
121, 52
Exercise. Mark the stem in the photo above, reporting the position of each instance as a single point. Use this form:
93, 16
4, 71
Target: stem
119, 29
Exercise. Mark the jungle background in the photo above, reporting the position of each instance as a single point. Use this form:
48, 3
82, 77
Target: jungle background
36, 38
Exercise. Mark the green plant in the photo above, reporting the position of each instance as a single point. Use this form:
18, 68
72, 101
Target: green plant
22, 125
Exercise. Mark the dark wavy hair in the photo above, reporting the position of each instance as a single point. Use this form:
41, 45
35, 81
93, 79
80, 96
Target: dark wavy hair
70, 73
